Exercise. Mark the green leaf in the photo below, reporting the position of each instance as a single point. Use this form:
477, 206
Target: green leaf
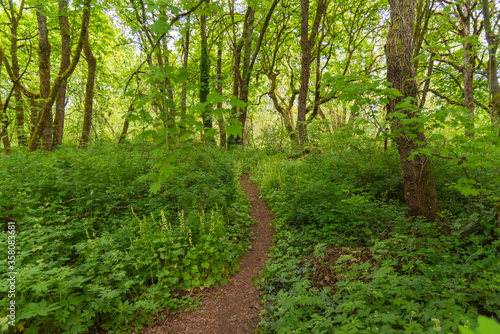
160, 26
214, 98
237, 103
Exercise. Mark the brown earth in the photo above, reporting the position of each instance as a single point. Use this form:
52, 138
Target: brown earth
234, 308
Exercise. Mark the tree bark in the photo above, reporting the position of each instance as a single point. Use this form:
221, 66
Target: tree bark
222, 132
89, 93
184, 66
3, 123
65, 61
418, 181
306, 45
494, 85
204, 73
37, 133
242, 75
14, 21
44, 69
126, 124
468, 63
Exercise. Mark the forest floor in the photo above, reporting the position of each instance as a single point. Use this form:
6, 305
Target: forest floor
234, 308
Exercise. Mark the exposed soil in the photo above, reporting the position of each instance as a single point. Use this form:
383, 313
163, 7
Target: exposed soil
234, 308
327, 270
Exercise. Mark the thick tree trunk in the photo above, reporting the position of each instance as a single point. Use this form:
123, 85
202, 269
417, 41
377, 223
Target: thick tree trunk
65, 61
44, 69
89, 93
492, 64
418, 181
306, 44
305, 63
45, 110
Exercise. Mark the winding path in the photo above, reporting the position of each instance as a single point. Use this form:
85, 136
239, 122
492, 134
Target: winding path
234, 308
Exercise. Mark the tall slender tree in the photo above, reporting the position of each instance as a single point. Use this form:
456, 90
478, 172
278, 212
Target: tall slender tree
493, 42
307, 41
89, 92
65, 61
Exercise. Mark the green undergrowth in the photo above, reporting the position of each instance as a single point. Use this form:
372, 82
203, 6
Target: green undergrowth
332, 207
96, 250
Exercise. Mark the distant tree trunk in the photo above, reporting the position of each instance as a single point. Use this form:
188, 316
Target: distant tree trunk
34, 115
3, 123
418, 181
89, 93
65, 61
204, 73
126, 124
236, 48
306, 45
245, 77
44, 69
242, 74
184, 66
494, 85
45, 110
14, 20
468, 62
219, 90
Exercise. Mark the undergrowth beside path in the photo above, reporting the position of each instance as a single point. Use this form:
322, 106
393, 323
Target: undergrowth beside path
97, 251
347, 260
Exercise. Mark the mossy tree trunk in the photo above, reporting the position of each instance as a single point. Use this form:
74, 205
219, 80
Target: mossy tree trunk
306, 44
89, 93
3, 122
418, 181
222, 135
65, 62
49, 101
44, 75
204, 73
493, 41
14, 18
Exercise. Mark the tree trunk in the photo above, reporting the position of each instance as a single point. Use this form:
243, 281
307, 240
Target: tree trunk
3, 123
89, 93
204, 73
305, 63
21, 138
45, 110
418, 181
126, 124
468, 66
65, 61
246, 70
44, 69
222, 126
242, 80
184, 66
306, 45
492, 64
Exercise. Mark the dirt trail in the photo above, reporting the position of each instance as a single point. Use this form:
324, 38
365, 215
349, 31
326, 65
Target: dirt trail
234, 308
